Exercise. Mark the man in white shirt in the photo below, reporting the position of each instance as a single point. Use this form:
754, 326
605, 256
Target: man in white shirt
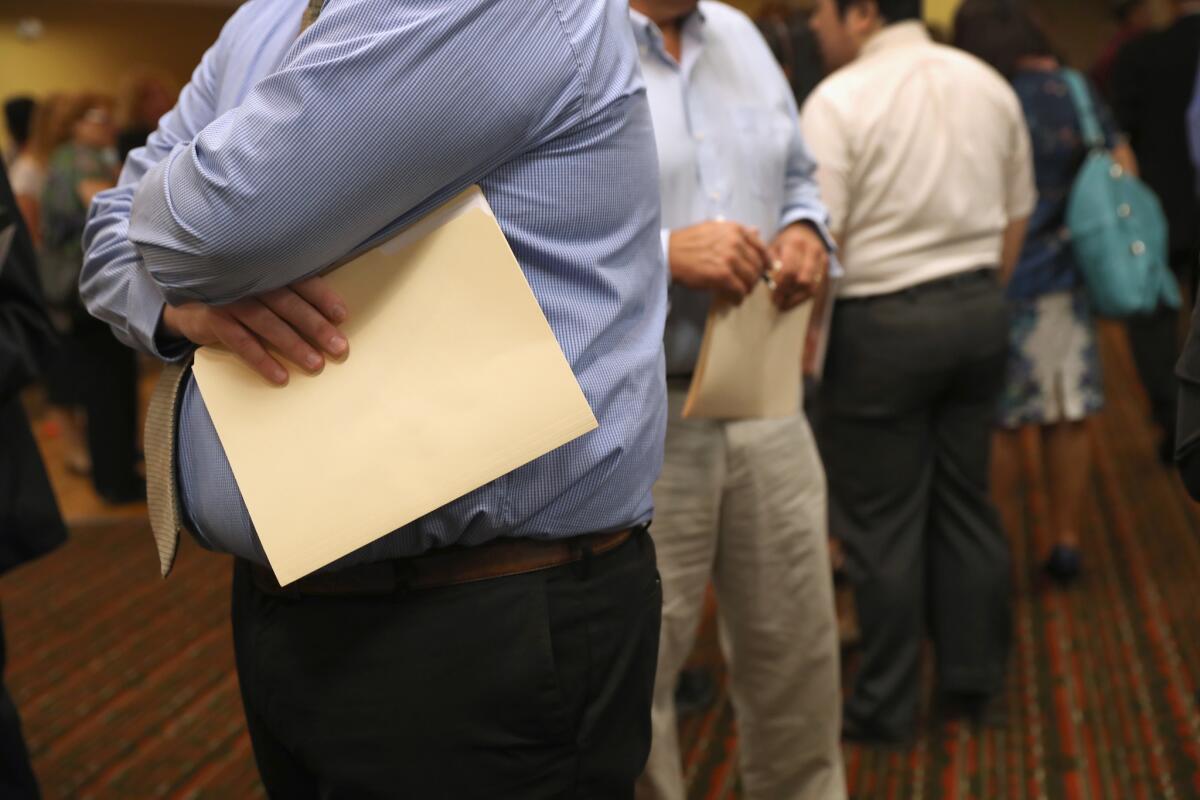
741, 502
924, 163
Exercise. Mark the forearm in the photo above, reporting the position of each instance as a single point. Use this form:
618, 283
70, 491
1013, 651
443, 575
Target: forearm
1013, 243
253, 204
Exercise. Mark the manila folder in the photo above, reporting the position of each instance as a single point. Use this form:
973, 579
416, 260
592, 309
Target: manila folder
454, 378
750, 360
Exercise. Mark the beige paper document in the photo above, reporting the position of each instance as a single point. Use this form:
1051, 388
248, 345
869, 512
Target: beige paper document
454, 378
750, 360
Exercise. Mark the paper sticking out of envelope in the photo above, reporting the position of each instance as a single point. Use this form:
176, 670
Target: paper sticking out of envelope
454, 378
750, 360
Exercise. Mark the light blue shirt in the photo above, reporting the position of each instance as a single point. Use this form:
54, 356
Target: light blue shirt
284, 155
729, 146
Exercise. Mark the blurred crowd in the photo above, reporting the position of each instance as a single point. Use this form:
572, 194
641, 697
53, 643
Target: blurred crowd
65, 149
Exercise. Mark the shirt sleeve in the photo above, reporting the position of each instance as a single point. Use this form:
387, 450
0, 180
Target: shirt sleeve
113, 284
830, 161
802, 195
379, 111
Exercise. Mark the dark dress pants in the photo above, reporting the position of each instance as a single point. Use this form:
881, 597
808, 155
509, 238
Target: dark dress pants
907, 410
523, 687
17, 781
1154, 340
109, 370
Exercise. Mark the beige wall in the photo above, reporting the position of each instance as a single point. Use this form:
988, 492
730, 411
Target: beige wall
93, 44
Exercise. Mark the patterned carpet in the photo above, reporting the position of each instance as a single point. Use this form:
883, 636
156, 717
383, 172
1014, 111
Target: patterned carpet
127, 687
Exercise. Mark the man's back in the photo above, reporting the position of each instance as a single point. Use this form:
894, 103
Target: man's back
933, 144
1152, 85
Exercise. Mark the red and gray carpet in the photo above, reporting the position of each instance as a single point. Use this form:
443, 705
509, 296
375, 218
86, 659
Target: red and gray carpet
127, 688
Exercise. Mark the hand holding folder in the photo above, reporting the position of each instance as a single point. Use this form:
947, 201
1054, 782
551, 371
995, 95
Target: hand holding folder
750, 360
455, 380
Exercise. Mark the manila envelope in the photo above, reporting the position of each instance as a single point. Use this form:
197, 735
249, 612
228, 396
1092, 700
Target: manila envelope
454, 378
750, 360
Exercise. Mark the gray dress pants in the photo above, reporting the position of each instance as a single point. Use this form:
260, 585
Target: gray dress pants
907, 410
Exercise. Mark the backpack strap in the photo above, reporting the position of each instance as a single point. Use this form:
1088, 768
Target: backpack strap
1093, 135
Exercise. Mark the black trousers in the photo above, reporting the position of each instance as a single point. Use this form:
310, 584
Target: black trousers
523, 687
1155, 342
907, 411
17, 781
110, 398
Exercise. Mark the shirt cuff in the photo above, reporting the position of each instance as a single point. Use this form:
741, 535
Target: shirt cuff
665, 234
145, 323
817, 221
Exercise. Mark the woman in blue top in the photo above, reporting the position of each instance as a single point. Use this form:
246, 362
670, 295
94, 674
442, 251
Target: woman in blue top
1054, 378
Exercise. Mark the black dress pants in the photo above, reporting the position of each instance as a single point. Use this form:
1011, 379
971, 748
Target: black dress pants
523, 687
907, 412
17, 781
109, 370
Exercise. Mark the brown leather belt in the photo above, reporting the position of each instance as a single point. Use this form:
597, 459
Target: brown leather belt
448, 567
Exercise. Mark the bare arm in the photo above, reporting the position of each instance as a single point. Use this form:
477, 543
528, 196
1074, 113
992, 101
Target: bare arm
1123, 155
1014, 241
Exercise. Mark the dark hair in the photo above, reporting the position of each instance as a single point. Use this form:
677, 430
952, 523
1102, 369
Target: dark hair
890, 10
18, 116
999, 32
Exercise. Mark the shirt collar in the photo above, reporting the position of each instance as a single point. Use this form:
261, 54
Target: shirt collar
648, 34
901, 34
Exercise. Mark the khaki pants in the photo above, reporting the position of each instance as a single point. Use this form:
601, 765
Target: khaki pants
744, 503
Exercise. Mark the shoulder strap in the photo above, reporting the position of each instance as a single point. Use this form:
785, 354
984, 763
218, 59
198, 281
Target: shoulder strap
1093, 136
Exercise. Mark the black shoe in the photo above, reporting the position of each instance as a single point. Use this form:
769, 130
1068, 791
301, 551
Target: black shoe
1064, 564
694, 692
979, 709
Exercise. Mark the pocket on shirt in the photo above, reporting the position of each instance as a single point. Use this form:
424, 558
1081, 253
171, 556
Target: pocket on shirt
763, 136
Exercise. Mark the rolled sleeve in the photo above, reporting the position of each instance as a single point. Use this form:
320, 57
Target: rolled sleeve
252, 204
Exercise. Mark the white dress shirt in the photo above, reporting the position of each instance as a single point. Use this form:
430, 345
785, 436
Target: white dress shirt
923, 159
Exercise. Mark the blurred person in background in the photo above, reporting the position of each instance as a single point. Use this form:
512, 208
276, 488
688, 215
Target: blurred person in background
18, 116
925, 165
49, 127
786, 31
146, 97
30, 525
740, 502
1054, 379
1133, 19
95, 371
1187, 451
1152, 84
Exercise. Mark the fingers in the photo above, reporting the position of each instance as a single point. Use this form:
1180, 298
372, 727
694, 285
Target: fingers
266, 324
306, 318
246, 346
323, 298
754, 241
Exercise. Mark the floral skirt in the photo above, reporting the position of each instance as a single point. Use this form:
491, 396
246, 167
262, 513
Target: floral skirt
1053, 364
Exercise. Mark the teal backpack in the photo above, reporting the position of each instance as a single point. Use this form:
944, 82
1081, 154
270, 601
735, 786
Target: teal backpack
1117, 226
